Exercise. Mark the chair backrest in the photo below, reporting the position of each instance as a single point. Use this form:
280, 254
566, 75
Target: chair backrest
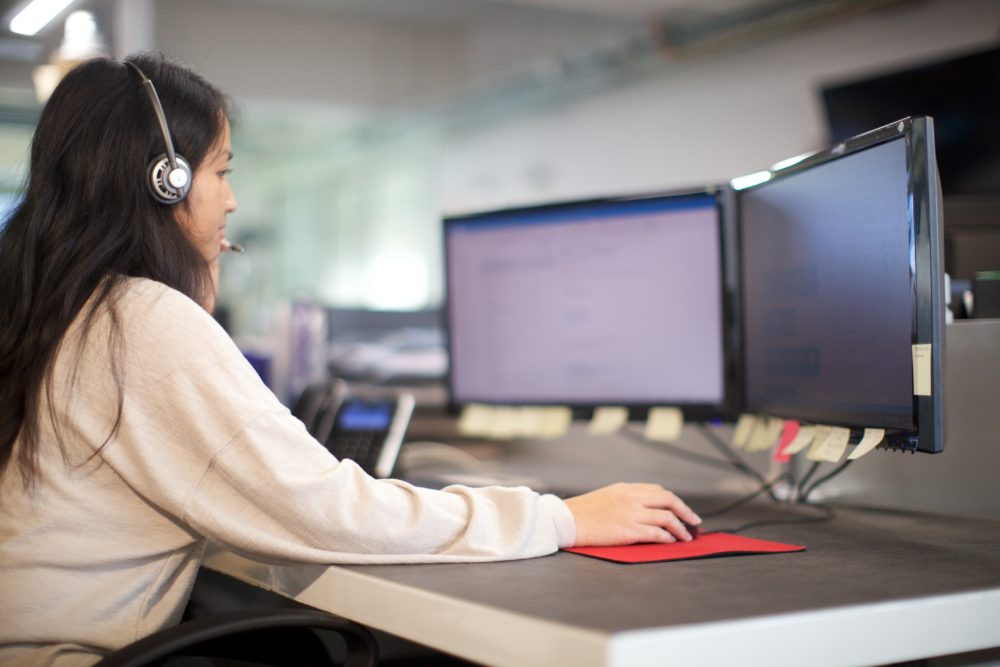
184, 639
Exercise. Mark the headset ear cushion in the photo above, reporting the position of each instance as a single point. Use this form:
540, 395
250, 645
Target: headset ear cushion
169, 186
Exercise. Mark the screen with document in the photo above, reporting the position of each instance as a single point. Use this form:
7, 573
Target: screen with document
588, 303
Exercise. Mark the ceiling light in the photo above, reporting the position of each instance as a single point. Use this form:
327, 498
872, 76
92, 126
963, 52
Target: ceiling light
37, 15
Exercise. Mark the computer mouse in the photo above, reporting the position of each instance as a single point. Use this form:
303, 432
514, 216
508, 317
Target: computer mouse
694, 530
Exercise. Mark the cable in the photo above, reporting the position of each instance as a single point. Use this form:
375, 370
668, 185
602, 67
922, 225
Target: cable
731, 460
804, 497
764, 488
735, 459
828, 514
802, 500
805, 479
677, 451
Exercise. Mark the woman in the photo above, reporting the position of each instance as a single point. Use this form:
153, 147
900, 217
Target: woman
132, 430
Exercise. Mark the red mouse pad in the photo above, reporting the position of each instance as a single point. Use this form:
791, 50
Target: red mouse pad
705, 545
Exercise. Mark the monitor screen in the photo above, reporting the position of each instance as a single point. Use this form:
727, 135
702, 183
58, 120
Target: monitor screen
842, 287
588, 303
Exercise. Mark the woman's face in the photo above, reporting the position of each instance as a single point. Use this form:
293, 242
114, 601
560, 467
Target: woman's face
203, 214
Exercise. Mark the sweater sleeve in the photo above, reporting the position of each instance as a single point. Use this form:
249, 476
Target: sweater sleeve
203, 438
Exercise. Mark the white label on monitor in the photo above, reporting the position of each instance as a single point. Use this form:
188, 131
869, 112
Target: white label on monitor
922, 369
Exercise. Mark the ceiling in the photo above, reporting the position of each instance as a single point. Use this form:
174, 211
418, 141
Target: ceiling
458, 11
471, 10
677, 26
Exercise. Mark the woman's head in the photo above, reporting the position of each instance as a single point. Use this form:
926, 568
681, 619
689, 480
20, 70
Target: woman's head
92, 147
87, 219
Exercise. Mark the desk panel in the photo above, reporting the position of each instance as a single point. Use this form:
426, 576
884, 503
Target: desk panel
873, 587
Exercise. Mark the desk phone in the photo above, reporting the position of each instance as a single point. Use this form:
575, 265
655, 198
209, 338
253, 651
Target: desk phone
370, 431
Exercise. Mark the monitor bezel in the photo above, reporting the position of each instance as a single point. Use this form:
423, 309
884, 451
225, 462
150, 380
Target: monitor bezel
726, 409
927, 274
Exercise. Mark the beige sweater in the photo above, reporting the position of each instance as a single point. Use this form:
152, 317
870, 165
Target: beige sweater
106, 547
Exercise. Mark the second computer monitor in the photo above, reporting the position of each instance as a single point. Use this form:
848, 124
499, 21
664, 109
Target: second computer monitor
842, 287
607, 302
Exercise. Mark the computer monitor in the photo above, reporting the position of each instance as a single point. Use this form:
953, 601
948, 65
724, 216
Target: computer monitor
842, 287
613, 301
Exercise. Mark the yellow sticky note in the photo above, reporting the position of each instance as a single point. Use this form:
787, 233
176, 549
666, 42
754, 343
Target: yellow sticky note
831, 448
556, 422
801, 440
744, 428
765, 435
476, 420
506, 425
608, 419
922, 369
869, 441
530, 422
664, 424
820, 434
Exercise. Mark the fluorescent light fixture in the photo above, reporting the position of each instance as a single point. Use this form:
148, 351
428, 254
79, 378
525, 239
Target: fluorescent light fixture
756, 178
37, 15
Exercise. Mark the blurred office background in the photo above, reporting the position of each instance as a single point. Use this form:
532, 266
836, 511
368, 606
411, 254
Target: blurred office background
361, 122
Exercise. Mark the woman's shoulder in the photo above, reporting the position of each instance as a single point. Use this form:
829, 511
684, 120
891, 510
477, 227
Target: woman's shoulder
143, 298
159, 315
145, 293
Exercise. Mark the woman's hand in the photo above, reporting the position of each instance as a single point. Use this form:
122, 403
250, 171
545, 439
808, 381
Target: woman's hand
628, 513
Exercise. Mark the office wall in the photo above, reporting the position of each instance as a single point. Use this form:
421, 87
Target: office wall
704, 120
356, 224
364, 60
332, 209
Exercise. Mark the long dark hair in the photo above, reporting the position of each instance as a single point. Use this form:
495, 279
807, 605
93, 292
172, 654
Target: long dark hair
87, 221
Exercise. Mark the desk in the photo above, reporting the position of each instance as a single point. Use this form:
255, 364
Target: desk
874, 587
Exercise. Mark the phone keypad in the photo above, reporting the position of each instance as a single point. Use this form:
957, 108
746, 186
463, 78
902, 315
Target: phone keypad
361, 446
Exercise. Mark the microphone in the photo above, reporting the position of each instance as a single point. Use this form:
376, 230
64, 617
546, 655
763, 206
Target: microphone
232, 247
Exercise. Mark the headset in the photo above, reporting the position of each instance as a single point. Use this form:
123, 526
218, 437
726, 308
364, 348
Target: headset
168, 175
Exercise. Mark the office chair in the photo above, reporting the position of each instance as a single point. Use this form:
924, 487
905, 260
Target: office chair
189, 638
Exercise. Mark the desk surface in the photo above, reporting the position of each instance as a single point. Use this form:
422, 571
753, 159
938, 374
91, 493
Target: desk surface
873, 587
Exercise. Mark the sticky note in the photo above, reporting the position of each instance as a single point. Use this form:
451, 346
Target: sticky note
801, 440
831, 448
664, 424
555, 422
765, 435
789, 430
869, 441
922, 369
744, 427
506, 423
530, 422
476, 420
608, 419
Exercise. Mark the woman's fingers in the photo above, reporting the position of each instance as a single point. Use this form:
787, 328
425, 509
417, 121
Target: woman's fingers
628, 513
